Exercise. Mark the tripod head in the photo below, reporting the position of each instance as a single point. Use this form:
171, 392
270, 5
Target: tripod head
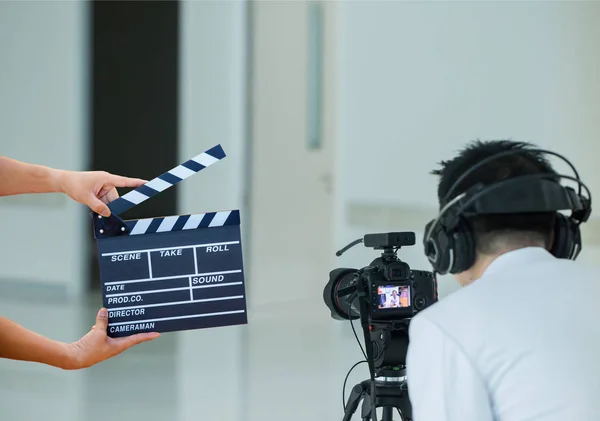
387, 393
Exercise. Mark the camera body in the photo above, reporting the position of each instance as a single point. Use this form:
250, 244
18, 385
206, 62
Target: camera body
395, 292
400, 297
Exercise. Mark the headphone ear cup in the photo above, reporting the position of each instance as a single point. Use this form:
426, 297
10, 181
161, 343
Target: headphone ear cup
450, 252
561, 237
436, 243
567, 238
428, 247
464, 247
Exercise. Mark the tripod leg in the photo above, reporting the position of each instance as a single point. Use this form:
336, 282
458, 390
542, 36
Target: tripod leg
354, 399
367, 406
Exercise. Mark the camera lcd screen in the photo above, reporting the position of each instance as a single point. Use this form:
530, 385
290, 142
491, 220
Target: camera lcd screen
391, 296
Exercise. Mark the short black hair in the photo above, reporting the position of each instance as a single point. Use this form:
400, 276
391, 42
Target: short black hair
494, 231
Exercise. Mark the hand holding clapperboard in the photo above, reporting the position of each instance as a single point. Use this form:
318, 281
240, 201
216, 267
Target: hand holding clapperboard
170, 273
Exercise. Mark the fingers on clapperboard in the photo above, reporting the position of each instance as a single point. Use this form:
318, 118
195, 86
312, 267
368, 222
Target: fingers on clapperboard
166, 180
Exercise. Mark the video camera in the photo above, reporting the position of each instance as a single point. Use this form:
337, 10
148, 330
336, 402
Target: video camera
395, 291
384, 295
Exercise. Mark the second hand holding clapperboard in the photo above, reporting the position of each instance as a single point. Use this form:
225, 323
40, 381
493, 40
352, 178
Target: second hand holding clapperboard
170, 273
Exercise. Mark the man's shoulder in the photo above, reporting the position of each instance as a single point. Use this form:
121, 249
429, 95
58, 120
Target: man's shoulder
452, 312
462, 298
509, 296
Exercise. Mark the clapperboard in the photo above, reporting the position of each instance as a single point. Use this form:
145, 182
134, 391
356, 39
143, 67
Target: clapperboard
170, 273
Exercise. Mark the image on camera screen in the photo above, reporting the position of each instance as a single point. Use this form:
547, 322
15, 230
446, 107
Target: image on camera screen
394, 296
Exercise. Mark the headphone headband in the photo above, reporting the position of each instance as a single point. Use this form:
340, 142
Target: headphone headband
533, 193
449, 243
502, 155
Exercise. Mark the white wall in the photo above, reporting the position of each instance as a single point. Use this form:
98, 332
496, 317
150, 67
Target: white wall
212, 98
419, 79
291, 237
43, 120
212, 110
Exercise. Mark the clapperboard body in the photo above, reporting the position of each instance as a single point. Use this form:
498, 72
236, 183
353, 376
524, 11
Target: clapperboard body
171, 273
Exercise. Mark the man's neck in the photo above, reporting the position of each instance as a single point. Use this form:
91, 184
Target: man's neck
483, 261
481, 264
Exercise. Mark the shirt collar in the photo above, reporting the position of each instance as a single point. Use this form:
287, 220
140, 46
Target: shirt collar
519, 257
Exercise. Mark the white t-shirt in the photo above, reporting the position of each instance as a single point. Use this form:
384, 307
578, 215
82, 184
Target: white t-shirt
522, 343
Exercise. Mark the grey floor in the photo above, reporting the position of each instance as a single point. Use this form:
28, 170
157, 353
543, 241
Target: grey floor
288, 364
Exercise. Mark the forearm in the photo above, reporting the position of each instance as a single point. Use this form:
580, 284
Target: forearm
18, 343
18, 177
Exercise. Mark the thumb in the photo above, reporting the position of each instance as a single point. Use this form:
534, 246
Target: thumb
102, 320
99, 206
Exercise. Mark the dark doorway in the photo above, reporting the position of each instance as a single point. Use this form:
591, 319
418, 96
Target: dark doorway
134, 97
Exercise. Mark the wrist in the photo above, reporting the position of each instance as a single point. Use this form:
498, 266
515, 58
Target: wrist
57, 180
68, 357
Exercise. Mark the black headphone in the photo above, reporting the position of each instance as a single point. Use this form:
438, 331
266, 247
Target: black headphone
448, 241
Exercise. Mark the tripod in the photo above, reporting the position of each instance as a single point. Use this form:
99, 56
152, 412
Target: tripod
390, 393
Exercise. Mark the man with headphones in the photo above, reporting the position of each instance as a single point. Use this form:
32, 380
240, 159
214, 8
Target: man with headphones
508, 230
